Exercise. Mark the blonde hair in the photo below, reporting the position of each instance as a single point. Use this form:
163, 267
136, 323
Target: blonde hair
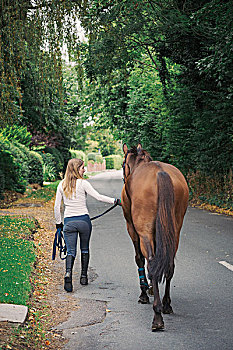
71, 175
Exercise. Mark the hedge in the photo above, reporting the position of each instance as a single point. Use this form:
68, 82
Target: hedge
65, 153
14, 165
96, 157
78, 154
35, 166
2, 183
53, 163
114, 161
58, 159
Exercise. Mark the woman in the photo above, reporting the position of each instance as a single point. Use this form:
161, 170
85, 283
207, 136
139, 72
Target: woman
73, 190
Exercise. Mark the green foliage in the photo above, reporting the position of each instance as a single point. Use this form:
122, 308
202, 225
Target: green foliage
145, 111
78, 154
17, 256
2, 183
14, 165
53, 163
17, 133
74, 97
99, 158
105, 104
96, 157
49, 172
91, 156
106, 142
114, 162
31, 83
154, 77
65, 153
58, 159
159, 73
214, 190
35, 166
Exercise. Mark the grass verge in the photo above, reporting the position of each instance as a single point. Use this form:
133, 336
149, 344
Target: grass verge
17, 258
44, 309
45, 194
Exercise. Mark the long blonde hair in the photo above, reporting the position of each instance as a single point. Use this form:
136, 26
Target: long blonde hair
71, 175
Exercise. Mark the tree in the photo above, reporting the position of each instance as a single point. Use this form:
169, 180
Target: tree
32, 94
194, 36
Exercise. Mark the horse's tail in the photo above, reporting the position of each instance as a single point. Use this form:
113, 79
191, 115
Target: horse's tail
162, 263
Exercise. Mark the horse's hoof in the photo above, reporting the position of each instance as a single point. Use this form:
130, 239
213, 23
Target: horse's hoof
150, 291
144, 299
167, 309
157, 324
157, 327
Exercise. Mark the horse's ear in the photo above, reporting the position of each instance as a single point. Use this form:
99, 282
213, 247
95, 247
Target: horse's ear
125, 148
139, 148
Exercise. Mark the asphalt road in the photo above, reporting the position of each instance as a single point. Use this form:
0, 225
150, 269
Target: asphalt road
109, 316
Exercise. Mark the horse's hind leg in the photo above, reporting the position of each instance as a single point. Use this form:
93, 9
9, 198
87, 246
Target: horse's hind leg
157, 323
167, 309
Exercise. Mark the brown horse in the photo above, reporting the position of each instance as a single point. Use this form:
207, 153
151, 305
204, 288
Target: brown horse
154, 201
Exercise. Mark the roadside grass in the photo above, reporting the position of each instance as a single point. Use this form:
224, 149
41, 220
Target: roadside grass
45, 194
24, 277
17, 258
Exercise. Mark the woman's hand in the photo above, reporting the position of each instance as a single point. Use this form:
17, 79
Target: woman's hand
118, 202
59, 226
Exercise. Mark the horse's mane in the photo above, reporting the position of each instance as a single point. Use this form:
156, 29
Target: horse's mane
133, 150
141, 156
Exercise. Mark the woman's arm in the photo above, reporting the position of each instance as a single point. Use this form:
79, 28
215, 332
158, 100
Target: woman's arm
92, 192
57, 205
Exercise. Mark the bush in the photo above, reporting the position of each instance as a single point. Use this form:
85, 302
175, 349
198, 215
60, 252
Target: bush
49, 172
25, 153
53, 161
91, 156
17, 133
58, 160
35, 166
2, 183
96, 157
65, 153
99, 159
114, 161
214, 190
14, 165
78, 154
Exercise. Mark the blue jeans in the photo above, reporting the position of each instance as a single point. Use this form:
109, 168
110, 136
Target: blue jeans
72, 227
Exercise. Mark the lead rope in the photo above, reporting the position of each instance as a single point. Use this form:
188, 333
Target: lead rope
105, 212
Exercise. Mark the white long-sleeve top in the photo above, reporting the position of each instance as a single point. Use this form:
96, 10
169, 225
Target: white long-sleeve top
77, 205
